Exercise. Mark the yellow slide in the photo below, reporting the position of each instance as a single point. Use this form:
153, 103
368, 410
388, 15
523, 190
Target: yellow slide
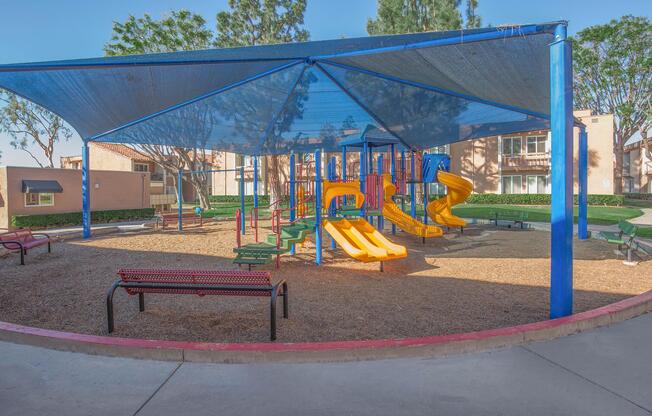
357, 237
402, 220
362, 241
458, 190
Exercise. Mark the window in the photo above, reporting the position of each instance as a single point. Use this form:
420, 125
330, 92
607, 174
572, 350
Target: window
537, 184
511, 146
141, 167
629, 185
536, 144
512, 184
627, 160
439, 149
39, 200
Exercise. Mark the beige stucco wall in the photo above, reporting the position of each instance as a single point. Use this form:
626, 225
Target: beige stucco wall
600, 133
109, 190
224, 183
103, 159
477, 161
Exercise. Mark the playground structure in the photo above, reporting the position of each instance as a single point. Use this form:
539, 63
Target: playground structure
351, 206
427, 89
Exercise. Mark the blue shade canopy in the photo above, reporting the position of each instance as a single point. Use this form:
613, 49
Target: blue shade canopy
424, 89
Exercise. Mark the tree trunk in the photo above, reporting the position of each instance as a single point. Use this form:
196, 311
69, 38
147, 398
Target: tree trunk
618, 165
275, 178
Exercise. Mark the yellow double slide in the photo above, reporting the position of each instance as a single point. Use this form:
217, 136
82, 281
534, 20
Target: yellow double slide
393, 213
357, 237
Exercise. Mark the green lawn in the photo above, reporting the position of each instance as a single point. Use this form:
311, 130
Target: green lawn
596, 214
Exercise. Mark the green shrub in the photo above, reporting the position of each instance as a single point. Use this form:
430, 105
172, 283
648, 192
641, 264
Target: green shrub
262, 199
75, 218
540, 199
645, 197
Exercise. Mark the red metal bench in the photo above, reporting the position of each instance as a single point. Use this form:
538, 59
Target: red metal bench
199, 282
23, 240
173, 218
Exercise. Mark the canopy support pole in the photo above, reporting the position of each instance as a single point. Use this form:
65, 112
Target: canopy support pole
582, 228
425, 193
293, 214
413, 197
180, 200
255, 182
363, 176
381, 220
561, 213
393, 168
318, 247
242, 199
344, 172
332, 208
404, 178
86, 193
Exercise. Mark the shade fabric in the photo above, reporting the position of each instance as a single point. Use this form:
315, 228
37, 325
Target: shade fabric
424, 90
41, 186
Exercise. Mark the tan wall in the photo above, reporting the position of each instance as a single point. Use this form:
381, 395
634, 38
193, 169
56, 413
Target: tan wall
225, 183
103, 159
600, 133
4, 209
477, 161
109, 190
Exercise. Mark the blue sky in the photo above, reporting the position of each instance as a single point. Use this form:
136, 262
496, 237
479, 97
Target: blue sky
35, 30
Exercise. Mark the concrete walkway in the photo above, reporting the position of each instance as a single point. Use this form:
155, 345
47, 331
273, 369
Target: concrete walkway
607, 371
645, 219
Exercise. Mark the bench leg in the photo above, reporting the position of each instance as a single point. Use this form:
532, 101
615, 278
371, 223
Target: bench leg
109, 304
272, 316
285, 300
141, 302
49, 247
461, 230
22, 257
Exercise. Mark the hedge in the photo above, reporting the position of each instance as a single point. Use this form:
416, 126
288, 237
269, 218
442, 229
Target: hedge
540, 199
75, 218
262, 199
645, 197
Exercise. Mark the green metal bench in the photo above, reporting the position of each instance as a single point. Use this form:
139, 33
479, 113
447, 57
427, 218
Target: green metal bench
626, 237
517, 217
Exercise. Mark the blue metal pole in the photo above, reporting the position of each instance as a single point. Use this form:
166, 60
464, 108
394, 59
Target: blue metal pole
332, 208
344, 171
255, 181
293, 203
318, 207
393, 168
180, 200
363, 175
403, 170
242, 200
413, 198
86, 193
561, 212
582, 229
381, 223
425, 193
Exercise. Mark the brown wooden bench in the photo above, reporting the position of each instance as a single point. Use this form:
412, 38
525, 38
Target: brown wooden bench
23, 240
199, 282
173, 218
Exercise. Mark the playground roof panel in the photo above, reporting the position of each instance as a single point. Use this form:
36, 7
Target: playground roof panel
425, 89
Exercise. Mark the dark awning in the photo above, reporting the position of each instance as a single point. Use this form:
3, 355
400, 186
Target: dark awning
35, 187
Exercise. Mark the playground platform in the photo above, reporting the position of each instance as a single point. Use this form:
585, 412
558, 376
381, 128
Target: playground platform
601, 372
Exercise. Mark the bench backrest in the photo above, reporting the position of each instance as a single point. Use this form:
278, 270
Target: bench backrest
23, 235
197, 277
627, 228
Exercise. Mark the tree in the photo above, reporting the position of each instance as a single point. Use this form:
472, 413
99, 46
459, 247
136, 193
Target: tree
613, 74
29, 124
258, 22
411, 16
179, 31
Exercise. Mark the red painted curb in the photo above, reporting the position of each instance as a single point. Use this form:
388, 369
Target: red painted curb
329, 345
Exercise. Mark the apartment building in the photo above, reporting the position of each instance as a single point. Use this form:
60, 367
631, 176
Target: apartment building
637, 166
520, 163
